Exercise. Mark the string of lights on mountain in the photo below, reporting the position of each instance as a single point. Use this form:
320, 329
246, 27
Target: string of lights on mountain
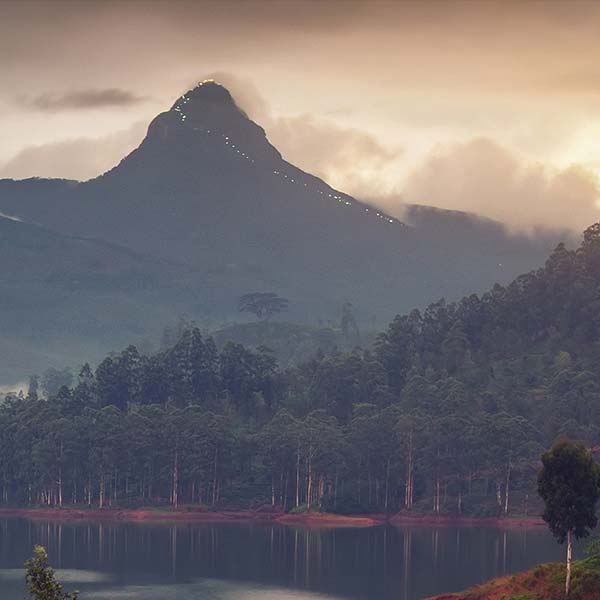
179, 108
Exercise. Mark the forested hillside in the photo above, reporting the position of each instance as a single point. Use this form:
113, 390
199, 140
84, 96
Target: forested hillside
448, 412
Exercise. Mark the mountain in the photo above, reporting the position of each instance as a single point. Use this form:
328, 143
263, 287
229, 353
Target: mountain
215, 209
63, 296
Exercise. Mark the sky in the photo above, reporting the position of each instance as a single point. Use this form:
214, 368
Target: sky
489, 107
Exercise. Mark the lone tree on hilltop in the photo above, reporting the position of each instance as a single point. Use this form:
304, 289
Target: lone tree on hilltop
569, 485
41, 582
263, 304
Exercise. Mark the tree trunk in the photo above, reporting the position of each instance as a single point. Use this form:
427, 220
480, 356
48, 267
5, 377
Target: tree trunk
309, 480
436, 495
408, 496
387, 485
60, 487
569, 560
507, 489
298, 476
272, 491
321, 490
101, 493
214, 491
175, 493
60, 478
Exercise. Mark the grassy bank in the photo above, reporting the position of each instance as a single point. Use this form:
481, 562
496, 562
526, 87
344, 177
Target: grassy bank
544, 582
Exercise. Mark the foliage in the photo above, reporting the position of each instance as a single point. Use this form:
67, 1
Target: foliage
41, 582
53, 380
569, 485
263, 304
592, 549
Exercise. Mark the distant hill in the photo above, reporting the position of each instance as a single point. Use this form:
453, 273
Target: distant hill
210, 210
63, 296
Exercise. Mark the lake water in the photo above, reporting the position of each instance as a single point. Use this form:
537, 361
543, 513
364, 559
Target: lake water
207, 561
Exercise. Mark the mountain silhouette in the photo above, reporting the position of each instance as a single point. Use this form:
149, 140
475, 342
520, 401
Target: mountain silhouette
214, 208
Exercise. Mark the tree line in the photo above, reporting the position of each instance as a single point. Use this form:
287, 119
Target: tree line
447, 412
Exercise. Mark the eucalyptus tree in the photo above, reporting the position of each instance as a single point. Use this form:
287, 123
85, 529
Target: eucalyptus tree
569, 484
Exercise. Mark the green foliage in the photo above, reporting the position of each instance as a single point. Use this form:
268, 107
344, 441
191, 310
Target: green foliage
569, 485
586, 579
41, 582
263, 304
54, 379
592, 549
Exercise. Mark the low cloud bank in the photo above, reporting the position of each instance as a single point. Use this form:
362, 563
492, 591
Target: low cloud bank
482, 177
80, 159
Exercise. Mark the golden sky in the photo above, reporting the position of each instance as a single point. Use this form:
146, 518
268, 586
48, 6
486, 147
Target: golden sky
486, 106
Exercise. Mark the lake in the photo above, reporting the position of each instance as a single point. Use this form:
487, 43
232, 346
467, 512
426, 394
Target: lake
251, 561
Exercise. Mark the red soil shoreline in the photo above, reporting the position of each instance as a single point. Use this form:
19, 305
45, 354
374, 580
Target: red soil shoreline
306, 520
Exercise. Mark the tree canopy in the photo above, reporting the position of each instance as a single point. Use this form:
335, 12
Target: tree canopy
569, 484
41, 581
263, 304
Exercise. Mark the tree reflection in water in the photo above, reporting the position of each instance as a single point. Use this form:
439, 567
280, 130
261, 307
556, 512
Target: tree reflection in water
226, 560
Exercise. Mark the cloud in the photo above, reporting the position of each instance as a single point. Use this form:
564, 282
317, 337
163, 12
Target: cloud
483, 177
81, 158
347, 158
15, 388
83, 99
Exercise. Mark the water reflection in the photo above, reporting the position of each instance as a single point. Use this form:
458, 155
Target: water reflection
208, 560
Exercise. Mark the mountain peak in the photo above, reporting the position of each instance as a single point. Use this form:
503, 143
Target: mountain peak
208, 104
207, 91
207, 115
